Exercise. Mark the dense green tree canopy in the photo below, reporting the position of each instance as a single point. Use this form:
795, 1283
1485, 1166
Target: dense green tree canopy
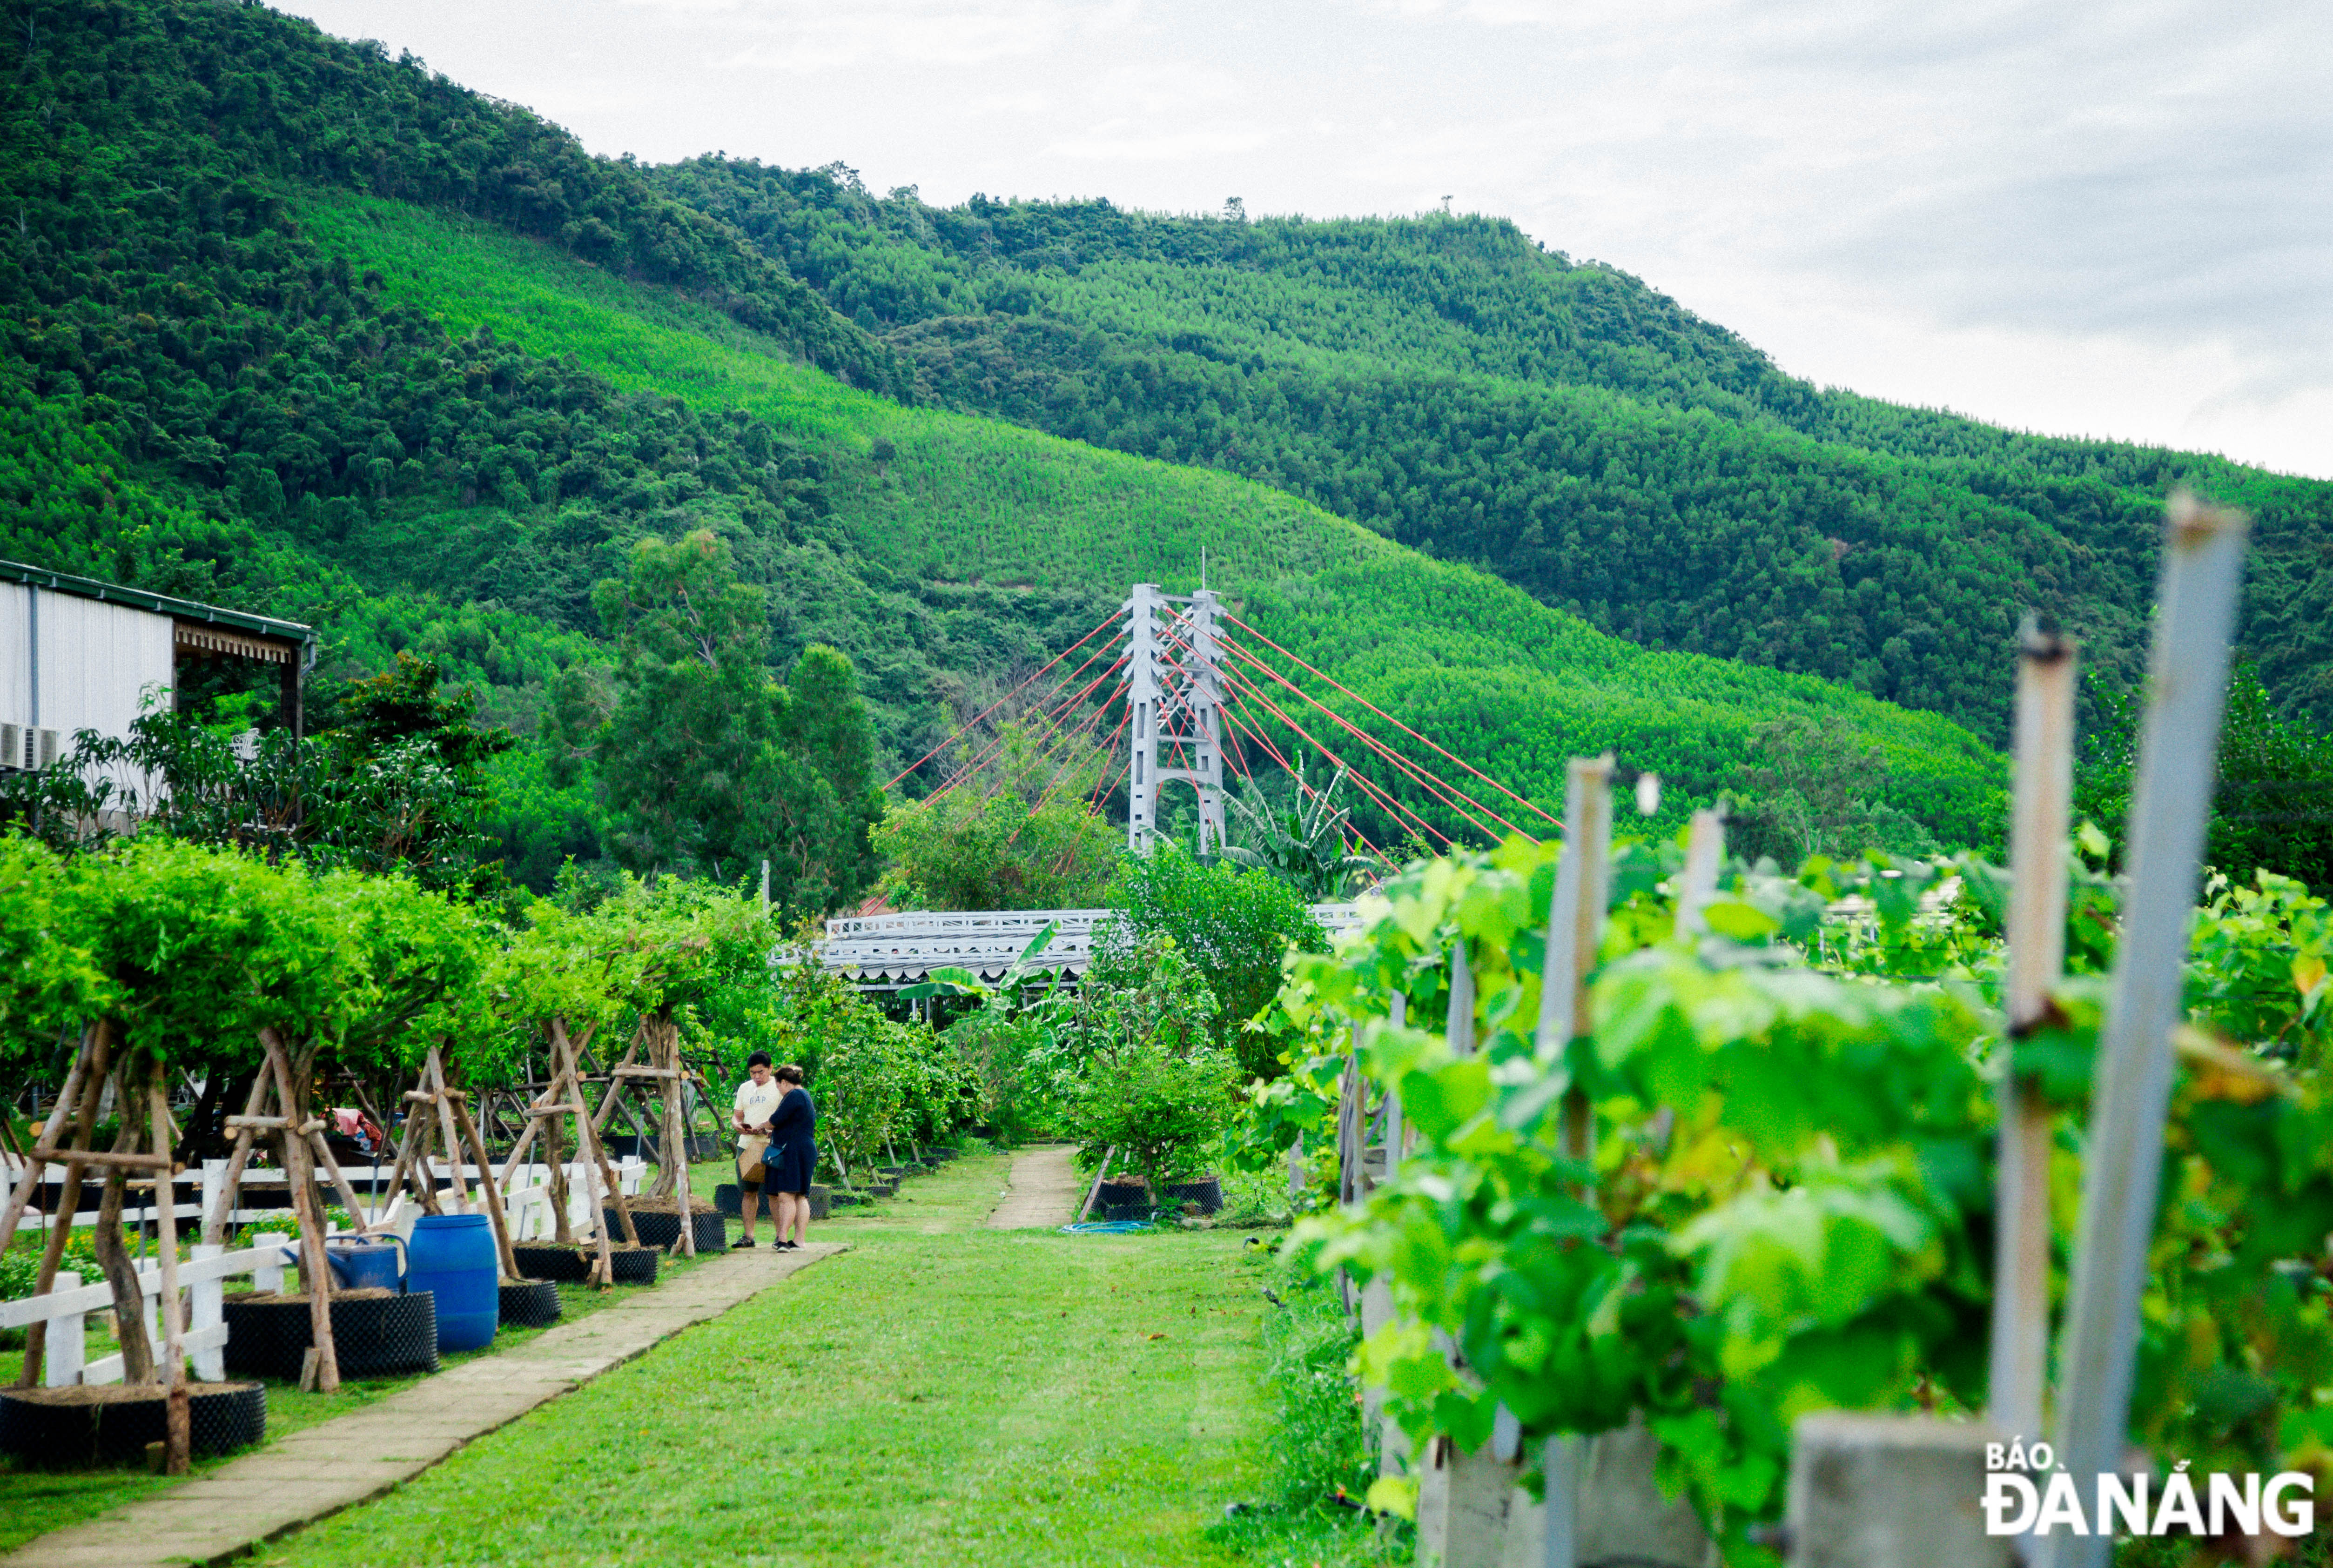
708, 764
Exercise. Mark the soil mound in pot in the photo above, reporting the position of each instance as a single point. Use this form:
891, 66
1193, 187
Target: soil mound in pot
670, 1206
95, 1424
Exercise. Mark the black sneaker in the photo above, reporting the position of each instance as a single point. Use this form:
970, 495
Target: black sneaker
741, 1241
788, 1246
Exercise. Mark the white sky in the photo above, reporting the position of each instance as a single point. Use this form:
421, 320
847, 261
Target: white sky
2105, 220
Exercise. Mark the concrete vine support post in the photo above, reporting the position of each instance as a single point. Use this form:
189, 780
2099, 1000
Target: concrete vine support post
2039, 820
1875, 1491
2171, 800
1705, 856
1461, 1496
1376, 1297
1575, 930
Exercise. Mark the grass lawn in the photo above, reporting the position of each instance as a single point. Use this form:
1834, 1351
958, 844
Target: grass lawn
941, 1394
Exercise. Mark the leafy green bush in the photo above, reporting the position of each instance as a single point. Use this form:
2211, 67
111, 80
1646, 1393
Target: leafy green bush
1234, 926
283, 1222
1008, 1055
1163, 1113
19, 1266
1018, 832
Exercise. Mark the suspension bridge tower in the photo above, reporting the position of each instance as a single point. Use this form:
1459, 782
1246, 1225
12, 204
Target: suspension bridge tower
1176, 687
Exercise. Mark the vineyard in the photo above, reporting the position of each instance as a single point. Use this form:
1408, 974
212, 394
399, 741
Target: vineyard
1628, 1145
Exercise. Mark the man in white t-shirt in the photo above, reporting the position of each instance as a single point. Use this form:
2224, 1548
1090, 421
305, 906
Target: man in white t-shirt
757, 1098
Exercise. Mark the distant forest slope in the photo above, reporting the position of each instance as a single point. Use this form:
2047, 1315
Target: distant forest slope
431, 419
1447, 382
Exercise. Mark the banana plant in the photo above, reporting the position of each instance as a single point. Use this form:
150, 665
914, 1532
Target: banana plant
956, 982
1304, 844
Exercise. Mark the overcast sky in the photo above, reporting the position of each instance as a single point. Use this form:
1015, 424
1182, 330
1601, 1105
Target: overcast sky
2112, 223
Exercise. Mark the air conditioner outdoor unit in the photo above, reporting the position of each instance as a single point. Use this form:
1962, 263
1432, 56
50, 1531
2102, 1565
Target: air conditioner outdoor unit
27, 748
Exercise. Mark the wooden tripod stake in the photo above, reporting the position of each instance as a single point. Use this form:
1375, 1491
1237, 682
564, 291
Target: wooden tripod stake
76, 1114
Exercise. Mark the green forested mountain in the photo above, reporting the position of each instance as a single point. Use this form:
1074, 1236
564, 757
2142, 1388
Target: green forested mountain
295, 325
1451, 384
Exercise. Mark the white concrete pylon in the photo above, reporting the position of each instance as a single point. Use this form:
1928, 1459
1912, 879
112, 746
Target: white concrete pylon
1174, 694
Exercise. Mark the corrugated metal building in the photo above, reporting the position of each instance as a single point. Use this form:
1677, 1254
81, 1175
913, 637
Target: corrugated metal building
76, 654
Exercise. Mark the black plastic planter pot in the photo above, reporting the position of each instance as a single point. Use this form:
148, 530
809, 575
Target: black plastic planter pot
664, 1229
1208, 1194
1122, 1195
1118, 1213
372, 1335
635, 1264
554, 1263
82, 1428
530, 1303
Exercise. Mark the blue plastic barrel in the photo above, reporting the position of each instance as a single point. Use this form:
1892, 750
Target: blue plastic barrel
453, 1255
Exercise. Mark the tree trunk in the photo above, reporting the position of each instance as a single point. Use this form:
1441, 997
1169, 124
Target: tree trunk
113, 1256
562, 1233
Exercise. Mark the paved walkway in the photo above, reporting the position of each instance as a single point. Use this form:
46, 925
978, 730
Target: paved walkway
1044, 1191
341, 1462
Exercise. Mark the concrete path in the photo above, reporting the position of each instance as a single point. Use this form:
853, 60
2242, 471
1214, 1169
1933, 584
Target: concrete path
351, 1459
1044, 1191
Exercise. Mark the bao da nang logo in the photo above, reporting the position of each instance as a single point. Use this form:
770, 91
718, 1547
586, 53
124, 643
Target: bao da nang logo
2026, 1495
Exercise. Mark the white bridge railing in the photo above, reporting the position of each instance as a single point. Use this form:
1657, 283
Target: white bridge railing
884, 951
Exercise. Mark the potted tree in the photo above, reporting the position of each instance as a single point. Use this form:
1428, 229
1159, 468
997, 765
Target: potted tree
1141, 1081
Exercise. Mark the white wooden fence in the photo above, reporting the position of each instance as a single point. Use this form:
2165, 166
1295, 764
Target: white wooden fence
527, 1203
67, 1307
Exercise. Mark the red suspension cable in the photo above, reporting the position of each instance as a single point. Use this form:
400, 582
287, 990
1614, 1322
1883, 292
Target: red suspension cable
1449, 793
1400, 814
1390, 719
1000, 701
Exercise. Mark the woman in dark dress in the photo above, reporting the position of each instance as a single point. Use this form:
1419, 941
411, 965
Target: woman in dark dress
791, 1158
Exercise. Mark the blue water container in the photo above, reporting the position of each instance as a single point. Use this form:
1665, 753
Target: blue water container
453, 1255
365, 1262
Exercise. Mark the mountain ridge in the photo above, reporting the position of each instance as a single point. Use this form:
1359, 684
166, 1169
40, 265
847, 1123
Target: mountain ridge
1183, 338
